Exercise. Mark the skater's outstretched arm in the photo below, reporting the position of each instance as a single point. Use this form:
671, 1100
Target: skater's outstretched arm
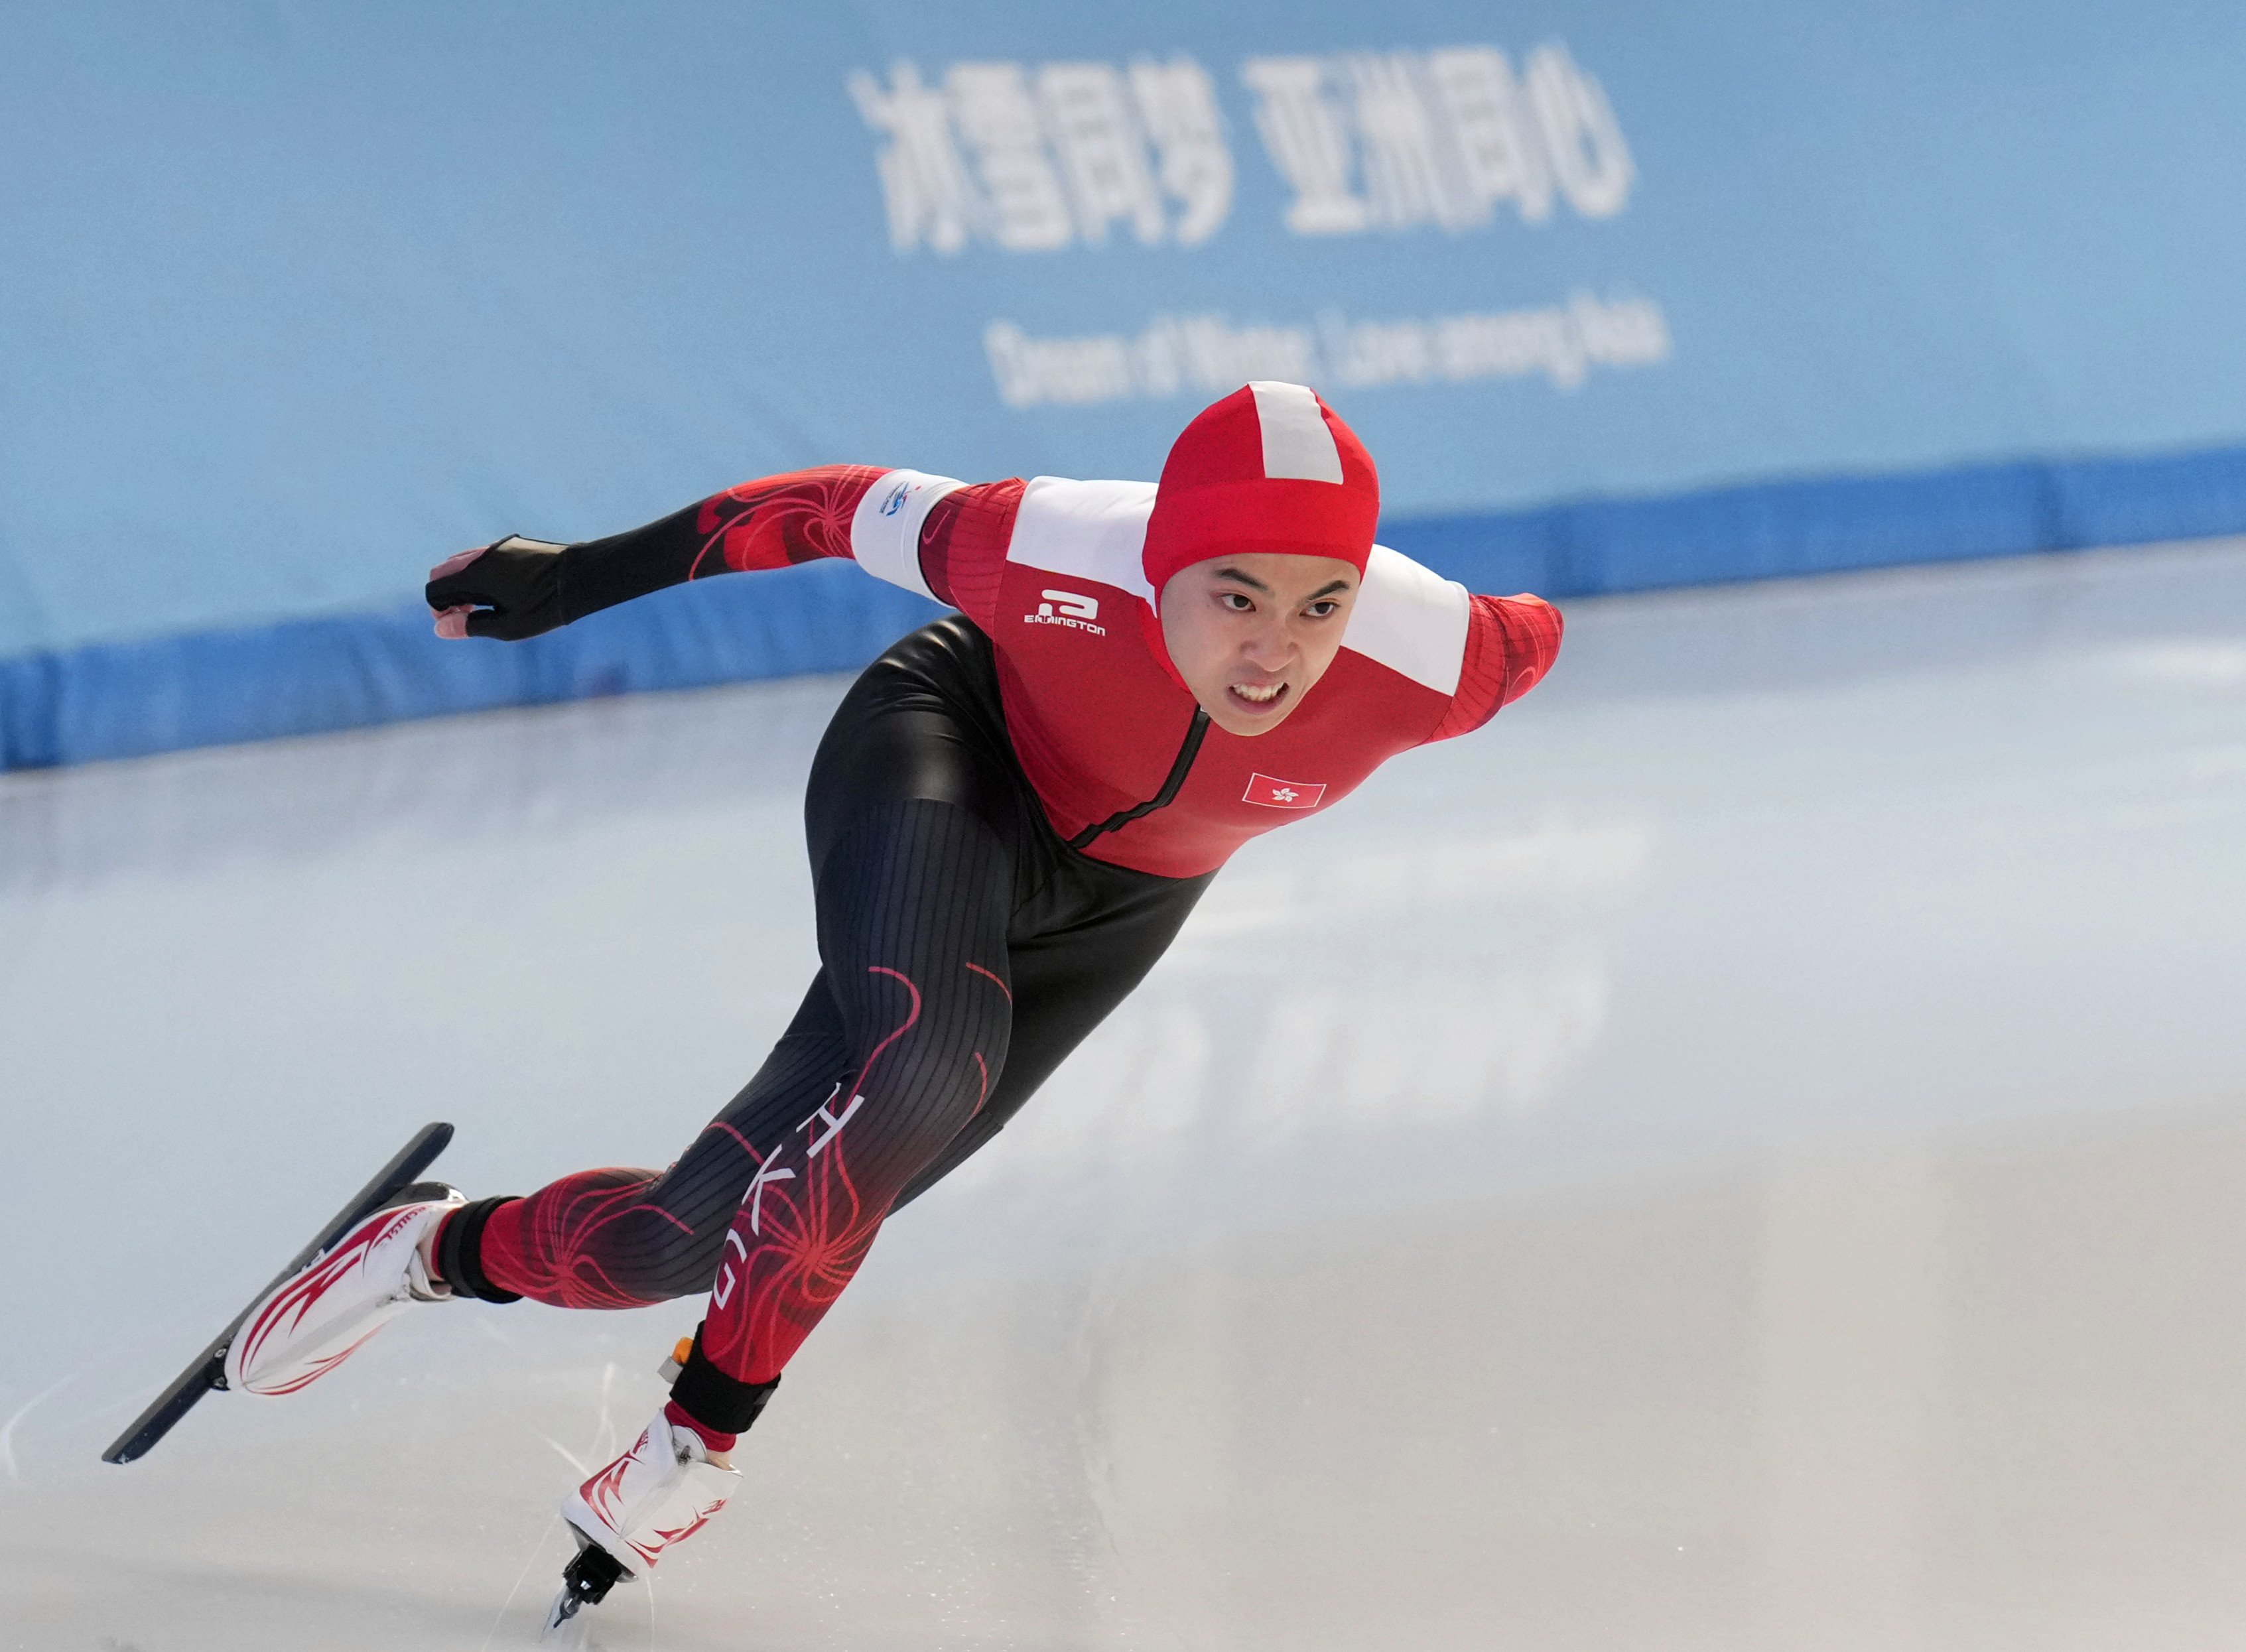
1510, 643
904, 533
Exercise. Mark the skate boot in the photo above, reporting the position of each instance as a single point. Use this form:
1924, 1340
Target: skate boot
314, 1320
626, 1516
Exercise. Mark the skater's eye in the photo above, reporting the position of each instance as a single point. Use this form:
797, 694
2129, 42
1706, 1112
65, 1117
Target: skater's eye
1325, 608
1237, 602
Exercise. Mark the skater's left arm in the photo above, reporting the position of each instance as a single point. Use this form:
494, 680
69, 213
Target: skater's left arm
1511, 642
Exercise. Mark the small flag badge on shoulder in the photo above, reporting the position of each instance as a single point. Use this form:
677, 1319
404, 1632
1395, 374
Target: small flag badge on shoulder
1284, 794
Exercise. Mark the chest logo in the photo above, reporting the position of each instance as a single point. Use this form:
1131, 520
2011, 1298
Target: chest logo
1283, 794
1066, 607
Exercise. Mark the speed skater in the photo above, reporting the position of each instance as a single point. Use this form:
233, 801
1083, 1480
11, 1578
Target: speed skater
1010, 817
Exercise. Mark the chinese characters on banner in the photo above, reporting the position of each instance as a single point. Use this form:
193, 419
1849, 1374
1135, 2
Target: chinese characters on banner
1036, 159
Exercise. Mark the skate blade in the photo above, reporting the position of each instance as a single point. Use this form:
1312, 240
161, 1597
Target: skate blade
561, 1630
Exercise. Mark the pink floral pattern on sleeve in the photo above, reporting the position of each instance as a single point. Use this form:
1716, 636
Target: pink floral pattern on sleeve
1511, 642
776, 521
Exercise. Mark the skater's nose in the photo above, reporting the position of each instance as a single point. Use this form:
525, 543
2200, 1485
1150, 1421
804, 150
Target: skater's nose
1268, 647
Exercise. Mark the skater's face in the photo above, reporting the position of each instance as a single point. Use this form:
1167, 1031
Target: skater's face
1251, 634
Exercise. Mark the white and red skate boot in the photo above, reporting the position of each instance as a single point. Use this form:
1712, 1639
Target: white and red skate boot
324, 1313
627, 1515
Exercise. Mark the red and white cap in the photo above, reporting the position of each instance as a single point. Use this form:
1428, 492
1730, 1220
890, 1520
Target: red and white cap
1270, 467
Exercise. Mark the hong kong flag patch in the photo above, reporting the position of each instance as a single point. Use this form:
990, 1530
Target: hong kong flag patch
1283, 794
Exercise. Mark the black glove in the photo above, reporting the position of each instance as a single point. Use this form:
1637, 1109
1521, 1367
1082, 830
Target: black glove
510, 590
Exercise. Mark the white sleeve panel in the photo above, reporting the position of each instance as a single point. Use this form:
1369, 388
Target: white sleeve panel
1091, 530
1411, 620
885, 532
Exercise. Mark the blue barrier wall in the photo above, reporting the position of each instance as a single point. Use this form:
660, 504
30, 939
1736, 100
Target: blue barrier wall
298, 300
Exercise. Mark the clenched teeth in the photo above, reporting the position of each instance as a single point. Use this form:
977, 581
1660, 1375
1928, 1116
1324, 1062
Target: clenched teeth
1270, 691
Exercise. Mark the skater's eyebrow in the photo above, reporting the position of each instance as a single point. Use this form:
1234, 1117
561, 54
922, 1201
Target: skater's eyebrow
1331, 587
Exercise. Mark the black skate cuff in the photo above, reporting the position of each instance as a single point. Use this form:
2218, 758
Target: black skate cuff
461, 1247
714, 1399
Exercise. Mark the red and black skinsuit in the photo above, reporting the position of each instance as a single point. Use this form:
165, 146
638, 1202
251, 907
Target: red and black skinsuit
1009, 818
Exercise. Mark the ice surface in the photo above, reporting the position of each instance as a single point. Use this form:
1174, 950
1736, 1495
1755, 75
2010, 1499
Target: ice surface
1745, 1153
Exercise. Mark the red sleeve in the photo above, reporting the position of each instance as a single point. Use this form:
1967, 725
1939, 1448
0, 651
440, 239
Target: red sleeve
963, 544
1511, 642
778, 521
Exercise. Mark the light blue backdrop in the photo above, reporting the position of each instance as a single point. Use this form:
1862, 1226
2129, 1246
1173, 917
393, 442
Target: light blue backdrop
295, 299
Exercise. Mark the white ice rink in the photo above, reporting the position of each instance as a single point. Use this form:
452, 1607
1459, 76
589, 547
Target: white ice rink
1748, 1152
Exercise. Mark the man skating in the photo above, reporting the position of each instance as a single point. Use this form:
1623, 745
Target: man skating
1010, 817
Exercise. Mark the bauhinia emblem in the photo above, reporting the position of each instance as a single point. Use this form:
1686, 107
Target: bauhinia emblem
1284, 794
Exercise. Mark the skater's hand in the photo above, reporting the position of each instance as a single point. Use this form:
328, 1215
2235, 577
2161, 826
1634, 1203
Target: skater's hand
511, 589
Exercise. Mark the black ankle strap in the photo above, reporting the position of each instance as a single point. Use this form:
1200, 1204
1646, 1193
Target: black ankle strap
459, 1251
716, 1400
